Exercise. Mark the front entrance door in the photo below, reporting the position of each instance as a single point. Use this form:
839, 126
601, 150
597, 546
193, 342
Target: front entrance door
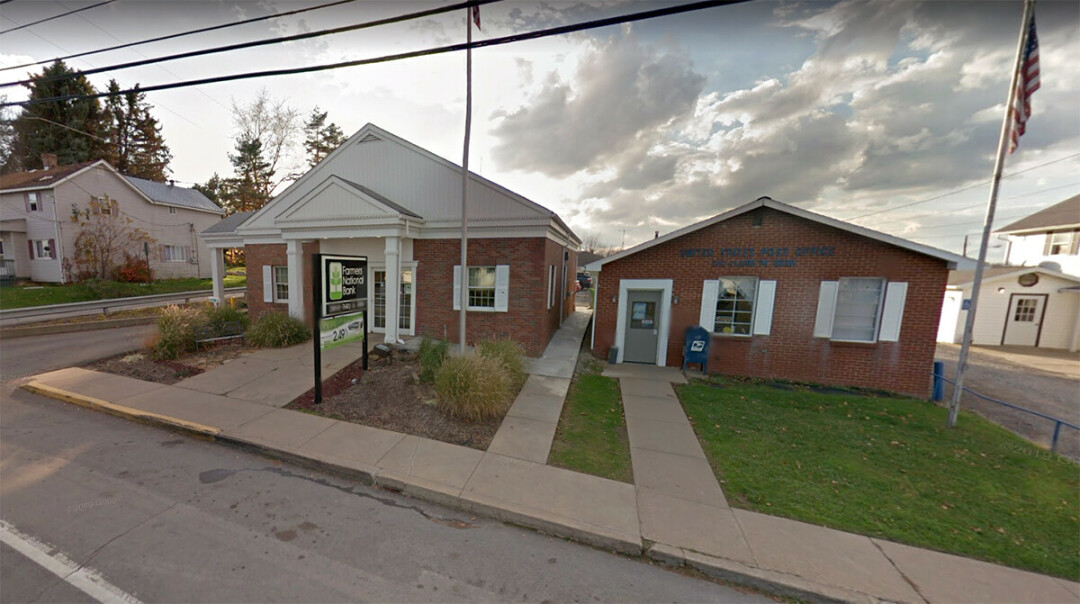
404, 301
1025, 317
642, 326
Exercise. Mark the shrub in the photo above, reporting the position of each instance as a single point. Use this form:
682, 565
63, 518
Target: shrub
432, 355
176, 332
510, 355
277, 329
472, 387
220, 318
133, 270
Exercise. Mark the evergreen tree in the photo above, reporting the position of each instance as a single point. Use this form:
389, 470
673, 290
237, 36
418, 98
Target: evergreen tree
253, 182
136, 146
320, 138
69, 128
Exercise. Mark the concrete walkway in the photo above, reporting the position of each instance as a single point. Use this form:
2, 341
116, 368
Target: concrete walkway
676, 513
528, 429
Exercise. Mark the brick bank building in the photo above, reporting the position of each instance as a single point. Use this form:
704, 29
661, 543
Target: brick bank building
785, 293
380, 196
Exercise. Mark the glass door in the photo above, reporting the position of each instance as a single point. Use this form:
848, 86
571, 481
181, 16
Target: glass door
405, 300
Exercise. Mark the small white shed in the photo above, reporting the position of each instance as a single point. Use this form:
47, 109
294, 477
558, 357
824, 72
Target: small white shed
1018, 306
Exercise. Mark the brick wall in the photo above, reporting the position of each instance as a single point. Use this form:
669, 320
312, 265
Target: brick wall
790, 351
274, 254
528, 320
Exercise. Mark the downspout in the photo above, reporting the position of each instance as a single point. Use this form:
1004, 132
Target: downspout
562, 288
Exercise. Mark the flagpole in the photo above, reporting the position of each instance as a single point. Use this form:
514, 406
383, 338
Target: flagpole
1003, 141
464, 279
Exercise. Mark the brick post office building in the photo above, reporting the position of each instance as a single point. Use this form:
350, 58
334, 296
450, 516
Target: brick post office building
786, 294
380, 196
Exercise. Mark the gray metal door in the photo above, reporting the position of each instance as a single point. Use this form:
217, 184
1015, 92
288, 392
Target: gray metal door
642, 326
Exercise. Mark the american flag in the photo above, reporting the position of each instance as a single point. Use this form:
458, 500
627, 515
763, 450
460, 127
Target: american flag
475, 11
1026, 85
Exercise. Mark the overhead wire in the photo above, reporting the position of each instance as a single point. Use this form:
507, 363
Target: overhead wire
491, 42
954, 192
46, 19
264, 41
178, 34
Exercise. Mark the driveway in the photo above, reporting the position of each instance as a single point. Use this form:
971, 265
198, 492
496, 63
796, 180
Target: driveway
1039, 379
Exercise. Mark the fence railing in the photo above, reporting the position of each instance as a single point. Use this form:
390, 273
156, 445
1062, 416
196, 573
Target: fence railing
106, 305
1058, 422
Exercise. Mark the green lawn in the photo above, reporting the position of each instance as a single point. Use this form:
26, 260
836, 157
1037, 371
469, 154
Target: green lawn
591, 437
888, 467
21, 297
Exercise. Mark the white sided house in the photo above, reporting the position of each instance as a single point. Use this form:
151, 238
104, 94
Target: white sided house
1049, 238
399, 205
1018, 306
37, 233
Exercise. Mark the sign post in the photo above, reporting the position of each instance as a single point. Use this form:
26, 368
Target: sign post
339, 290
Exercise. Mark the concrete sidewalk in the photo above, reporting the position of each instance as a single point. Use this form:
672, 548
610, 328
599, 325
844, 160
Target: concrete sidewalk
675, 513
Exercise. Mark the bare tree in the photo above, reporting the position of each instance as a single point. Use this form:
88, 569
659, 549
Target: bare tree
105, 238
592, 242
276, 126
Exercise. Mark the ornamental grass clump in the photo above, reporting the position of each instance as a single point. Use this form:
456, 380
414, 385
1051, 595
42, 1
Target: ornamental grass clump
472, 387
510, 355
176, 332
432, 355
277, 330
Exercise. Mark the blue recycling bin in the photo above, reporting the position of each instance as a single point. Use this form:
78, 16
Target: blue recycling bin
696, 342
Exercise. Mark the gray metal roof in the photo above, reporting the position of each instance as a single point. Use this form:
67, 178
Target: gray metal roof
163, 192
228, 224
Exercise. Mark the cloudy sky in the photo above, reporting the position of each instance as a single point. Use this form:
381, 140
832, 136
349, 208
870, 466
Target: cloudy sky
883, 113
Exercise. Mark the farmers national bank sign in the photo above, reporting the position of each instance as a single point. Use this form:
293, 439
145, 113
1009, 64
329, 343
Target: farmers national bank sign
344, 285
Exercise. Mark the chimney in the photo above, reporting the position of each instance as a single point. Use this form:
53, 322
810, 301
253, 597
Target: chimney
171, 182
656, 234
48, 161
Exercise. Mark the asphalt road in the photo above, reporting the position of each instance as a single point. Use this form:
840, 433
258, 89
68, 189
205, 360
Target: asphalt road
20, 357
163, 516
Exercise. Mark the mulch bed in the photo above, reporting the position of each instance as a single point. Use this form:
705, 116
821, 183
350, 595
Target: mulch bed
390, 396
140, 366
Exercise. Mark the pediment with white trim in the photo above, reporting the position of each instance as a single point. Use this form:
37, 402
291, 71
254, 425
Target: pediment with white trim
340, 202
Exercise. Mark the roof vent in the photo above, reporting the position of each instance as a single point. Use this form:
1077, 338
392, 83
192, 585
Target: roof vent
370, 138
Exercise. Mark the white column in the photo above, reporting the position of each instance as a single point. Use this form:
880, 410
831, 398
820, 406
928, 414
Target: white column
393, 286
294, 255
217, 273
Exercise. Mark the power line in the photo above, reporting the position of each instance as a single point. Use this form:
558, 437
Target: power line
70, 12
983, 204
533, 35
264, 41
974, 186
177, 35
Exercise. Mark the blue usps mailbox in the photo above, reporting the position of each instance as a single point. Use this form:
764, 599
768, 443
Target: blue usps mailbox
696, 347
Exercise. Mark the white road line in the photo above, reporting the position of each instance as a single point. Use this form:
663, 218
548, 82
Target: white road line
86, 580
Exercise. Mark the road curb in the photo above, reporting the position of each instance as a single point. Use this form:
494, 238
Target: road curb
120, 410
729, 571
40, 330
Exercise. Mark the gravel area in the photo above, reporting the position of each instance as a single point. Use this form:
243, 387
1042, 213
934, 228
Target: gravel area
1047, 381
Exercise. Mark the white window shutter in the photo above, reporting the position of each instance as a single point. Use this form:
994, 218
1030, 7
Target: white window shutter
891, 315
826, 308
457, 287
502, 288
709, 291
268, 283
763, 307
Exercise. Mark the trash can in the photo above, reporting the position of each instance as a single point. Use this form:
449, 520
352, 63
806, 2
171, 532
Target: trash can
696, 342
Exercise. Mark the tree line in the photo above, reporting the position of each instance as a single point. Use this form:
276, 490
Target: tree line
123, 131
